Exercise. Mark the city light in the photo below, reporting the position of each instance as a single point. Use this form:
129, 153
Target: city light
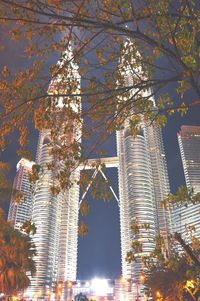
69, 284
123, 280
87, 284
142, 277
100, 286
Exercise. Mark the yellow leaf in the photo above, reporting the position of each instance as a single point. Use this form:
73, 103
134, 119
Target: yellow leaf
5, 72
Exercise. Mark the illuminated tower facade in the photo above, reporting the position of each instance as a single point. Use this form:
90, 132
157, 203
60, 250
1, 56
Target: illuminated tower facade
20, 212
56, 216
189, 144
143, 182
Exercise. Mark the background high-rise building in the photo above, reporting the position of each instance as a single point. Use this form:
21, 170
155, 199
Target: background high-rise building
20, 212
189, 144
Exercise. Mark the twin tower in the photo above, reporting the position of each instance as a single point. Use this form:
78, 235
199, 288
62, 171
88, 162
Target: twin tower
143, 183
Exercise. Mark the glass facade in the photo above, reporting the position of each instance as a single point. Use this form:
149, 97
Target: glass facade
143, 183
189, 144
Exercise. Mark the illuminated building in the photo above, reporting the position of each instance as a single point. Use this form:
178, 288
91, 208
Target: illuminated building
95, 289
189, 144
123, 290
143, 183
20, 212
56, 216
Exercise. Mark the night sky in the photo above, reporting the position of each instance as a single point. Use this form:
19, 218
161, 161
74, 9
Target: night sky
99, 252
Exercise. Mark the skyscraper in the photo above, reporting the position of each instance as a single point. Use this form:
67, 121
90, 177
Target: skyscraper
189, 144
56, 220
143, 181
22, 211
56, 216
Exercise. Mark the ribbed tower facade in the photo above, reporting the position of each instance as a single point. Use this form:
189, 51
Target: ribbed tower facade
137, 201
20, 212
56, 216
189, 144
160, 178
143, 182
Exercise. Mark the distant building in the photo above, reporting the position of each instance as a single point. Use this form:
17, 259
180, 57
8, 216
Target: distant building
95, 289
22, 211
189, 144
103, 289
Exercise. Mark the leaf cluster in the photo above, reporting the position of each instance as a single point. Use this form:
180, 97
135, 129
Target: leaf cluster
183, 197
16, 258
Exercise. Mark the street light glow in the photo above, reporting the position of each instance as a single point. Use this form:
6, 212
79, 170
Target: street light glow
142, 277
